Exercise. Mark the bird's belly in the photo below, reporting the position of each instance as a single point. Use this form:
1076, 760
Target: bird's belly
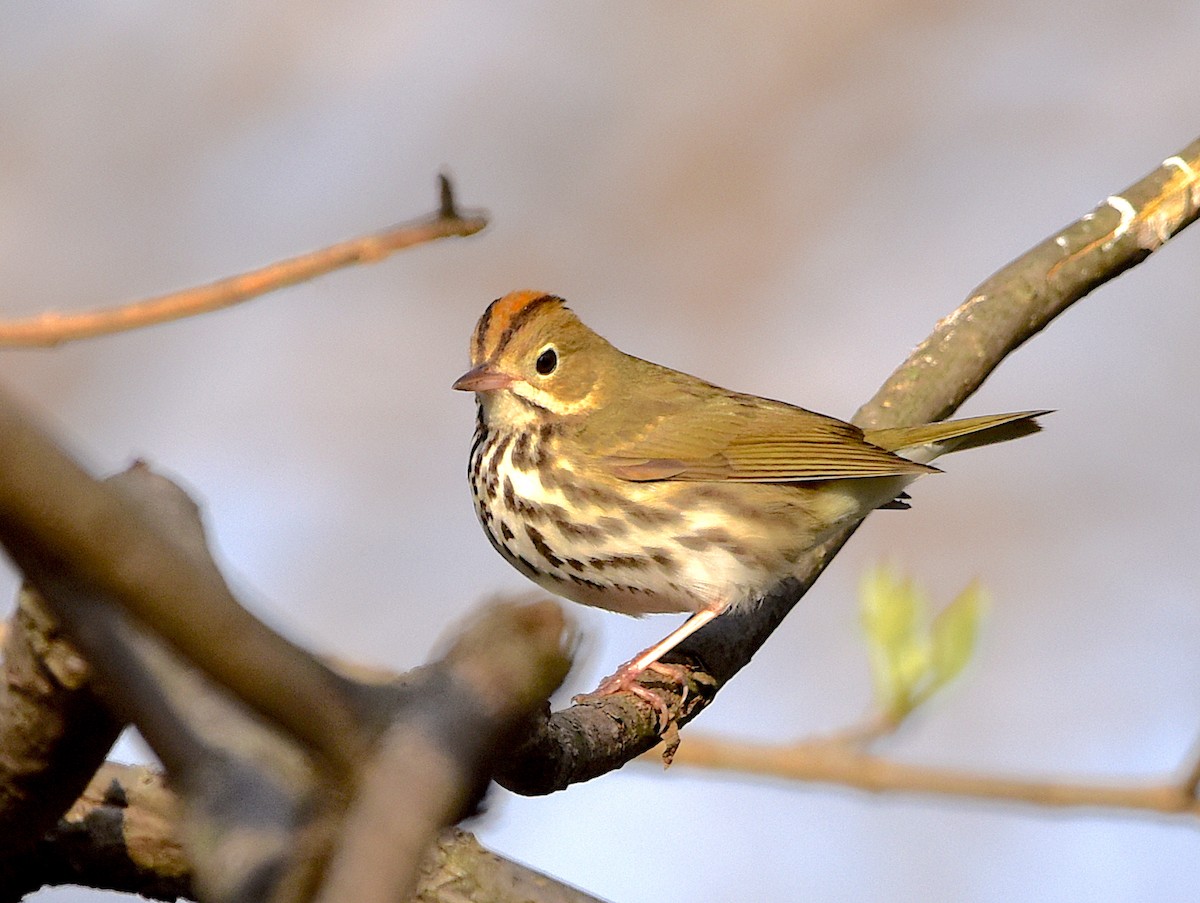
640, 548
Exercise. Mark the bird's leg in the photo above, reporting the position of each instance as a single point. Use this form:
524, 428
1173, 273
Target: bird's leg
652, 655
625, 678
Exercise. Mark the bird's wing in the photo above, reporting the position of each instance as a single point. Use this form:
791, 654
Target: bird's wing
748, 439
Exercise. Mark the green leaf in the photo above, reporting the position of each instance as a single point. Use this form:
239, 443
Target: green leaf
893, 612
891, 607
911, 658
954, 633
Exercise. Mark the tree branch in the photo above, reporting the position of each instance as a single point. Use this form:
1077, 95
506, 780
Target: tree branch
436, 758
258, 820
847, 764
51, 329
76, 538
1020, 300
583, 741
122, 835
53, 735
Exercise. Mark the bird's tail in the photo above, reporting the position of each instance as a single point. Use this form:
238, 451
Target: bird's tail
928, 441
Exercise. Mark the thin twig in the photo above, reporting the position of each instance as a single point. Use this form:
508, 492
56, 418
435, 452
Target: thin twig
1190, 779
849, 765
49, 329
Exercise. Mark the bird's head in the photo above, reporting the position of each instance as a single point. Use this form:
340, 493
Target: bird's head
532, 359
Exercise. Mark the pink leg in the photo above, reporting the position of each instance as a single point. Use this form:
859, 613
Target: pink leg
625, 678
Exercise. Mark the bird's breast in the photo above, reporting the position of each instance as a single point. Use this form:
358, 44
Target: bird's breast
639, 547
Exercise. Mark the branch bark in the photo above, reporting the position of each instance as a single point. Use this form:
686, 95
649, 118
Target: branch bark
261, 819
123, 835
77, 538
53, 735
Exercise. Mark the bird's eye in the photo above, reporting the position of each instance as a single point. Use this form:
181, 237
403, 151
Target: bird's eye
547, 361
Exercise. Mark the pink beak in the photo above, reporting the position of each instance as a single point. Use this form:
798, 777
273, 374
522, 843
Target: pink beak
484, 378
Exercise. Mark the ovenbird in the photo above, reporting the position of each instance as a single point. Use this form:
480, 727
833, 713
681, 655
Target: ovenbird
619, 483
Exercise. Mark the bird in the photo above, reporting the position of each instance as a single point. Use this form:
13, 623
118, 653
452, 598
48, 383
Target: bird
618, 483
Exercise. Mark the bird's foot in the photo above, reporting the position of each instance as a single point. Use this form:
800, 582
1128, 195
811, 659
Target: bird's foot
626, 680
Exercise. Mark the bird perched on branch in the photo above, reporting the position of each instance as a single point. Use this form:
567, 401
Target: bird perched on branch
621, 484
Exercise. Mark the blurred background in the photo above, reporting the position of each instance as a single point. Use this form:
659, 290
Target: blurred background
780, 197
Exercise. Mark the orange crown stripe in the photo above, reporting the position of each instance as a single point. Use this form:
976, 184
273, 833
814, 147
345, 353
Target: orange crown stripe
513, 303
498, 321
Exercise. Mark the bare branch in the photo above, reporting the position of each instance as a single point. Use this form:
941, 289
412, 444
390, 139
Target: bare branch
53, 735
119, 835
850, 765
122, 835
257, 820
432, 765
79, 539
1021, 299
51, 329
458, 869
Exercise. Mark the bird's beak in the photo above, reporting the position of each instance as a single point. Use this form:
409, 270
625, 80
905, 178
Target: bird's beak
484, 378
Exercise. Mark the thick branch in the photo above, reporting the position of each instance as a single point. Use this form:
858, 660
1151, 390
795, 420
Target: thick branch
50, 329
1013, 305
257, 821
75, 537
122, 835
1021, 299
53, 735
412, 756
432, 765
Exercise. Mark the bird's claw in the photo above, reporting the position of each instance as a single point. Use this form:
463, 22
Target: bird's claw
625, 680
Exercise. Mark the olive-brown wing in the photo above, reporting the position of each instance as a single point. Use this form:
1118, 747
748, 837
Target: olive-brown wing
748, 439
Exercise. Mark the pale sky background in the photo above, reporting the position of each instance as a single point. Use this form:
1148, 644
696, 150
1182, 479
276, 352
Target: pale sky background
780, 197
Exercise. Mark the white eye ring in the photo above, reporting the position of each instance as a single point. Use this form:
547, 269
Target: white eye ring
547, 361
